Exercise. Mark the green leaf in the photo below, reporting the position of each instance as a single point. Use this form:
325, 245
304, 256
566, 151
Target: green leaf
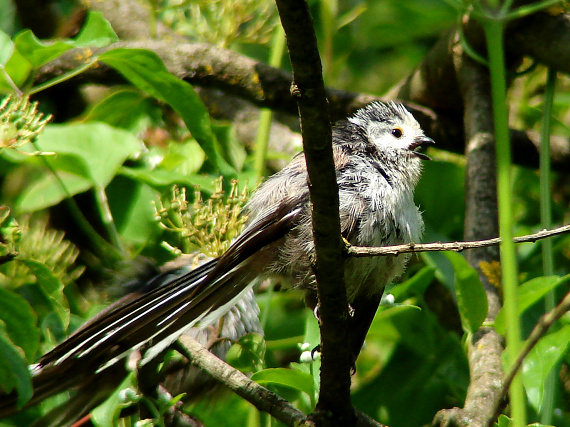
14, 373
529, 293
233, 150
132, 209
45, 192
122, 109
547, 353
471, 297
20, 321
503, 421
146, 71
52, 288
184, 158
164, 178
286, 377
37, 52
101, 148
247, 353
18, 68
416, 284
97, 32
6, 48
107, 414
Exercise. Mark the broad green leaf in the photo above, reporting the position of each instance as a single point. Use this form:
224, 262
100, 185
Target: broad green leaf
131, 204
122, 109
146, 71
37, 52
42, 193
97, 32
247, 353
164, 178
233, 150
52, 288
102, 148
416, 284
529, 293
184, 158
6, 48
540, 361
14, 373
18, 69
471, 297
286, 377
20, 321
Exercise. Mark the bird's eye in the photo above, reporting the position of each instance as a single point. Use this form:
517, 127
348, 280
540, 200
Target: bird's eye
397, 132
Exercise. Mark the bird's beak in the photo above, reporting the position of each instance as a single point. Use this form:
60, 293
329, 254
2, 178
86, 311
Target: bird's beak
420, 142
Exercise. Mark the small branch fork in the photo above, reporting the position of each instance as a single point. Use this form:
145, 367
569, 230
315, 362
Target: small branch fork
362, 251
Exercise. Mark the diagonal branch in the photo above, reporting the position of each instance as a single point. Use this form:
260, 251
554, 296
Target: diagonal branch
364, 251
262, 398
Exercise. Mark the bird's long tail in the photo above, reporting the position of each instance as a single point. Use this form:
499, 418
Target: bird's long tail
159, 314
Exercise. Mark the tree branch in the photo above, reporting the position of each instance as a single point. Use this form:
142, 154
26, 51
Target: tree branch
334, 406
365, 251
262, 398
235, 74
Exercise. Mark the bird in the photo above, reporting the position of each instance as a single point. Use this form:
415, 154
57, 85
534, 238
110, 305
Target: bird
378, 163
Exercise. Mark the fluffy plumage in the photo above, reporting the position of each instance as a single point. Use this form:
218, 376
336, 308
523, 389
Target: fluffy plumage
377, 169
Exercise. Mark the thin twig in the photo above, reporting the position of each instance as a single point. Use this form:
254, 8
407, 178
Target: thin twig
542, 326
362, 251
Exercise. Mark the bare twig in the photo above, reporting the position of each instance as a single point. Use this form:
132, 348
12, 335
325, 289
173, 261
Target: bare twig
540, 329
262, 398
362, 251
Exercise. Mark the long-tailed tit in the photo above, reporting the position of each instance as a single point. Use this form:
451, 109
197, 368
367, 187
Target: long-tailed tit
377, 168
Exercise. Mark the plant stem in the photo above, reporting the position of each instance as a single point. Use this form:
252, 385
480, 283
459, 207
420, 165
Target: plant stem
547, 404
62, 78
104, 249
494, 35
266, 115
107, 217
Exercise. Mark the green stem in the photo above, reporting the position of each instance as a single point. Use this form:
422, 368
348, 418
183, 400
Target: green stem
103, 248
548, 397
62, 78
266, 115
107, 217
494, 35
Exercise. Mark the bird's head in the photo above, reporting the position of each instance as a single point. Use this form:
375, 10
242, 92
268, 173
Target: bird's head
391, 127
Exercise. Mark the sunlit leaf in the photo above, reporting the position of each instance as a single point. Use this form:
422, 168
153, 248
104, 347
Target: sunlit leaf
471, 297
529, 293
541, 360
286, 377
146, 71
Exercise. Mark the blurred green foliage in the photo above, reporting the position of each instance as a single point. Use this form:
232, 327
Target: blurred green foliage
132, 144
